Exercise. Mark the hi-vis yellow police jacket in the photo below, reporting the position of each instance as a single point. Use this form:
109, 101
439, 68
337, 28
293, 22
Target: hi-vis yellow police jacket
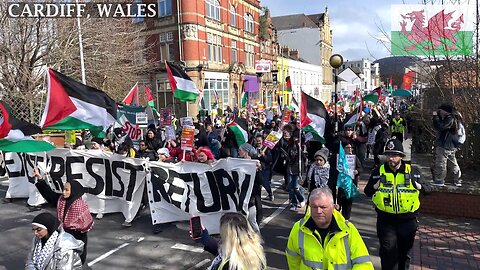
396, 194
343, 249
398, 125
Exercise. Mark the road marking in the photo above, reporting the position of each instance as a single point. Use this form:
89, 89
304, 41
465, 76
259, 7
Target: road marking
274, 214
187, 248
200, 264
107, 254
140, 239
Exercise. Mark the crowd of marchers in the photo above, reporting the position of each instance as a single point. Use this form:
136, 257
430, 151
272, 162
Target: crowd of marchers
324, 238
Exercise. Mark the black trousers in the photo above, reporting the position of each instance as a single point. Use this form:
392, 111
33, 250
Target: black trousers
82, 237
396, 241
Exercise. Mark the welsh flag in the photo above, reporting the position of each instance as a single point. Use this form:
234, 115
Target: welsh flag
239, 130
433, 30
72, 105
132, 97
288, 82
15, 134
182, 86
313, 117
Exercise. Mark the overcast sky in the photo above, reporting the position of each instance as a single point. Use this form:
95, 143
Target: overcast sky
356, 24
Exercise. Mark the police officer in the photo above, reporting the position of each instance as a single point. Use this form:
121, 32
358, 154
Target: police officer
395, 192
397, 126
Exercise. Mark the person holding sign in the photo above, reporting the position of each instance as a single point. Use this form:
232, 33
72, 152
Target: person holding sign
318, 173
344, 203
266, 160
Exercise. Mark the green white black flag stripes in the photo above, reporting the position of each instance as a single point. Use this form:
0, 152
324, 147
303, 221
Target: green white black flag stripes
72, 105
182, 86
313, 117
239, 131
15, 134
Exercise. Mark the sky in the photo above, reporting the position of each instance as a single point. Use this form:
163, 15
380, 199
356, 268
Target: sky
359, 26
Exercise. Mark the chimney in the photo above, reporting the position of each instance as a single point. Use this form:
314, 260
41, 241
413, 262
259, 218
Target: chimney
294, 54
284, 51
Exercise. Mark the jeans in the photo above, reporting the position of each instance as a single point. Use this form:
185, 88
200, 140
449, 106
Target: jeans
296, 191
267, 178
444, 158
252, 218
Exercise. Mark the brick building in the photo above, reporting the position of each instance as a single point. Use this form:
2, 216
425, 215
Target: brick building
216, 41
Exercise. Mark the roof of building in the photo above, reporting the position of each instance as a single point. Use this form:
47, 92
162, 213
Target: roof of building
296, 21
317, 18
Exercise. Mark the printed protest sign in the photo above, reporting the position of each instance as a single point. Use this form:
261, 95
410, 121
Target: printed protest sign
188, 137
272, 139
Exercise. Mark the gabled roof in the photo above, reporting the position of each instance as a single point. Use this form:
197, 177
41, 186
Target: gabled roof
295, 21
317, 18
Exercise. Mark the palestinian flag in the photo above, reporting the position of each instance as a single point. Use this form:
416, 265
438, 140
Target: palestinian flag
151, 103
373, 98
289, 84
244, 99
313, 117
294, 105
132, 97
351, 118
239, 130
15, 135
183, 87
390, 86
72, 105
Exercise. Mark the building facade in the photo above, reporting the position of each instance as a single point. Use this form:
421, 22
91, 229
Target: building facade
215, 41
312, 37
368, 72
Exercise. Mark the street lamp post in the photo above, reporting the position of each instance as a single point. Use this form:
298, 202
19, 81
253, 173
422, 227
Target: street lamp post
336, 61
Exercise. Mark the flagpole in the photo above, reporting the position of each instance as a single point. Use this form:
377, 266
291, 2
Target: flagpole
80, 45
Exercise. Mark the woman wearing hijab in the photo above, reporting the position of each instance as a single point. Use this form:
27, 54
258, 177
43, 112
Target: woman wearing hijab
72, 210
52, 247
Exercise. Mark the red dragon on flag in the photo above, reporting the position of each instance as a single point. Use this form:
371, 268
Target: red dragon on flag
440, 26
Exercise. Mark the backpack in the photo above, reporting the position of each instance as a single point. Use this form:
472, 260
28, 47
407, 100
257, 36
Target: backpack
459, 136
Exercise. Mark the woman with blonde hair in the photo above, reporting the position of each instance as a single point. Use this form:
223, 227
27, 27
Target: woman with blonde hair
240, 247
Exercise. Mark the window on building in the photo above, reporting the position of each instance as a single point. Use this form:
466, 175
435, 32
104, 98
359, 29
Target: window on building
249, 25
167, 49
164, 8
249, 55
213, 9
137, 19
169, 36
233, 18
214, 43
212, 87
234, 51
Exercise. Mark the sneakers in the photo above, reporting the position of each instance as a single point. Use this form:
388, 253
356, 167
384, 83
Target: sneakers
302, 204
293, 208
438, 183
99, 216
458, 183
127, 224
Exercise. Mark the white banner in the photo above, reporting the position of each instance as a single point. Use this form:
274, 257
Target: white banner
178, 191
112, 182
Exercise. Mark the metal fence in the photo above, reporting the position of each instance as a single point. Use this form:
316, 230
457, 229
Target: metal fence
27, 107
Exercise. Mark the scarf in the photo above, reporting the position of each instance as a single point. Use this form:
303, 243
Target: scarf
41, 252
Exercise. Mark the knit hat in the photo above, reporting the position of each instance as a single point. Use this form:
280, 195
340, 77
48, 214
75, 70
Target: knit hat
323, 153
394, 147
163, 151
446, 107
46, 221
252, 152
